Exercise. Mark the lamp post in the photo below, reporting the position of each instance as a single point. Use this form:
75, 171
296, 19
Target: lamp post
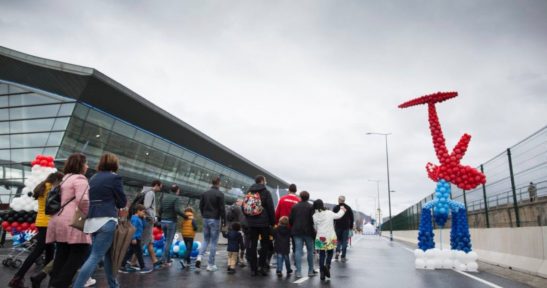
379, 210
388, 184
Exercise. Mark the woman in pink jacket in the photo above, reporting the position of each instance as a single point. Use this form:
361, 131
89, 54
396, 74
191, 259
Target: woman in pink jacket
72, 245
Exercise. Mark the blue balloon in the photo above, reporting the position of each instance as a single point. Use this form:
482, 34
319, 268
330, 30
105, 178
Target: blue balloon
159, 252
194, 253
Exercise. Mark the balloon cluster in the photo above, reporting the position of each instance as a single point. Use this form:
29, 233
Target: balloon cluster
460, 239
425, 231
44, 161
446, 259
442, 194
42, 166
14, 221
178, 248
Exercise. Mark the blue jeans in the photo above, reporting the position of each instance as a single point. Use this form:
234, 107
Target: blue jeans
299, 242
169, 228
342, 236
100, 248
211, 229
280, 259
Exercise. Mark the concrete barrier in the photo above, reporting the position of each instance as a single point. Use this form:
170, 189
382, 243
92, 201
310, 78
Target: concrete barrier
523, 249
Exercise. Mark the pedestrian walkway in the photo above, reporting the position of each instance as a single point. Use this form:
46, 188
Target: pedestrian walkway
373, 262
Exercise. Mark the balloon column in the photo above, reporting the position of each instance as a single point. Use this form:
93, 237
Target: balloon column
450, 171
178, 248
22, 214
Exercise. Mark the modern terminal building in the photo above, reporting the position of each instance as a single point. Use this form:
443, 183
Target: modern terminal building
53, 108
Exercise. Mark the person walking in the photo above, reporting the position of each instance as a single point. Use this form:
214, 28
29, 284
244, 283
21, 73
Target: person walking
286, 203
260, 214
213, 212
343, 228
532, 191
72, 245
234, 214
235, 244
282, 237
302, 231
149, 203
325, 240
137, 220
188, 231
106, 198
170, 207
40, 193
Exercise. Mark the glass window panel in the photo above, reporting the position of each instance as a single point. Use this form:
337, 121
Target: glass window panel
31, 125
15, 89
144, 138
60, 123
3, 101
31, 99
80, 111
175, 150
188, 156
4, 127
4, 141
200, 161
3, 89
33, 112
5, 155
50, 151
4, 114
66, 109
124, 129
25, 155
28, 140
100, 119
55, 139
160, 144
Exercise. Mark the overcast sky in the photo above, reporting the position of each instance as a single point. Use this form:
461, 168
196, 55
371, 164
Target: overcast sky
295, 85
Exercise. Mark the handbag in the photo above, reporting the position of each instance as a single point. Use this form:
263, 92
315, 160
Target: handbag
78, 220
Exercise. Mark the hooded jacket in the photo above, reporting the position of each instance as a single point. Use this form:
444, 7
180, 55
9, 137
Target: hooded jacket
346, 222
282, 237
267, 217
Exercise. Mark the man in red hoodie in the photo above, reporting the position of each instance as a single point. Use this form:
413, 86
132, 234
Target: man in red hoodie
285, 204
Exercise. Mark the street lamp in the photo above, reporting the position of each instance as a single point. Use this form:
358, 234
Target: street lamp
388, 184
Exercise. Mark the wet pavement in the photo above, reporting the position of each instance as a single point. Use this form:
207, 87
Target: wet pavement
373, 262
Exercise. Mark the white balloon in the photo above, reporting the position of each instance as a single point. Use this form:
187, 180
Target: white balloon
472, 266
419, 253
430, 263
461, 267
176, 249
473, 255
429, 254
419, 263
448, 264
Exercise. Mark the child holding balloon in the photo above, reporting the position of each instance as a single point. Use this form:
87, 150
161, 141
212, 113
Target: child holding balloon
136, 246
188, 231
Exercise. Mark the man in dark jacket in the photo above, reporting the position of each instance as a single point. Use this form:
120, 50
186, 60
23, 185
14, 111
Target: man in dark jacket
343, 226
259, 226
301, 221
170, 207
212, 210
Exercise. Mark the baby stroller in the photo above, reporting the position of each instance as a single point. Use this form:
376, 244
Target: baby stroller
19, 252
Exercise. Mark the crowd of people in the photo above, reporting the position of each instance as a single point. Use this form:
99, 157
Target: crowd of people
74, 253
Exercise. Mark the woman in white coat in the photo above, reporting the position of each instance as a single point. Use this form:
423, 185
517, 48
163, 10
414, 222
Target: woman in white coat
325, 240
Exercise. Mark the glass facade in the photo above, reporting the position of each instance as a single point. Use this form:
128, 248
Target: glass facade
35, 122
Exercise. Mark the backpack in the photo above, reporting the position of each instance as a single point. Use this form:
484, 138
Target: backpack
138, 200
53, 200
231, 216
252, 204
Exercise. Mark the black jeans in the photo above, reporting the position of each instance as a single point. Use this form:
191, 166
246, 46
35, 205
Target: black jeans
68, 259
41, 246
264, 233
188, 242
134, 249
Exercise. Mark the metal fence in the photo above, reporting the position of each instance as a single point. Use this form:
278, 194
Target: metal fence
507, 199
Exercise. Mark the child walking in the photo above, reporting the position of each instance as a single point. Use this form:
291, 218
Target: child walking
188, 231
282, 237
136, 247
235, 244
325, 241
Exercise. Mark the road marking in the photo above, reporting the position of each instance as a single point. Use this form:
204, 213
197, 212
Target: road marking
301, 280
461, 272
479, 279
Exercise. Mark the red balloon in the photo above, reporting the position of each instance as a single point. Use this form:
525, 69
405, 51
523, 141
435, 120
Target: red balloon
49, 158
5, 224
14, 224
33, 226
157, 237
24, 226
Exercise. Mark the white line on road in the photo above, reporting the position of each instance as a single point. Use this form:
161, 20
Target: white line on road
301, 280
461, 272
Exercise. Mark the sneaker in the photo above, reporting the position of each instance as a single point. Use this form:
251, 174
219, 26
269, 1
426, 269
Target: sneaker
279, 274
145, 270
298, 275
231, 271
135, 267
182, 266
344, 259
126, 270
90, 282
289, 272
212, 268
198, 262
158, 265
337, 256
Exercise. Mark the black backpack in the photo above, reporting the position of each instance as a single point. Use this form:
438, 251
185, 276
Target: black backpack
53, 200
232, 216
138, 200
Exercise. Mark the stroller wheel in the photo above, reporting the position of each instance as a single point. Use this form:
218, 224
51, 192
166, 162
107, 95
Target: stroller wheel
17, 263
7, 262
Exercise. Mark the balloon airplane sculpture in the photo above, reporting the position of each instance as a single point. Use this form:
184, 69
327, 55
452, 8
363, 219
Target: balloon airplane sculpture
450, 171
